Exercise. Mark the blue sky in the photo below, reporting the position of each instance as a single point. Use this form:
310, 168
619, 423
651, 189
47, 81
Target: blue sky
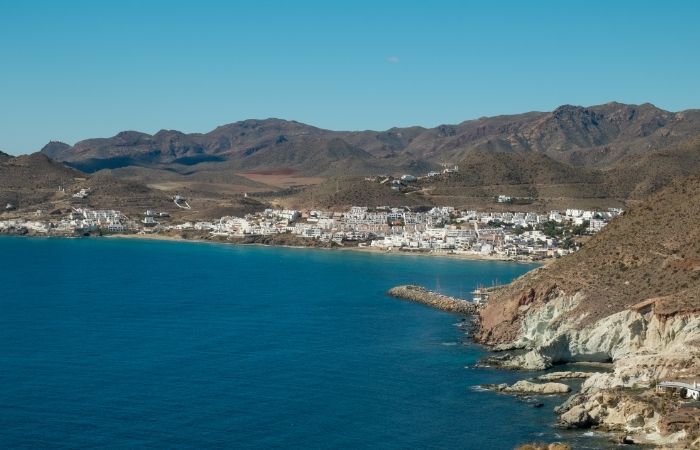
71, 70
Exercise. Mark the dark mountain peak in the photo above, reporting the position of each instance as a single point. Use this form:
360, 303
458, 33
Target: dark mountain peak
260, 126
164, 132
132, 137
567, 109
571, 112
55, 148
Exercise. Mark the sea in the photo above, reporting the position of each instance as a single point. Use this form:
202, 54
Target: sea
134, 343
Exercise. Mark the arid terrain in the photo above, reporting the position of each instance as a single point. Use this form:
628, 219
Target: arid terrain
597, 157
630, 296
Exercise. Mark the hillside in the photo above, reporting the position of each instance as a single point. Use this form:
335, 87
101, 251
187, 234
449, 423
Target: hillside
596, 136
541, 182
32, 179
652, 251
32, 182
341, 193
637, 176
528, 174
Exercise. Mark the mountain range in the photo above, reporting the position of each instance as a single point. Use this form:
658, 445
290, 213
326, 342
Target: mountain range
595, 136
595, 156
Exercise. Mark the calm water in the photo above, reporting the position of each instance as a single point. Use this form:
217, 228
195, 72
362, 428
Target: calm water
125, 344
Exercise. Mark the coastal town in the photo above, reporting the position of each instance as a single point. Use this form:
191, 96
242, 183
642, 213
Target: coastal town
437, 230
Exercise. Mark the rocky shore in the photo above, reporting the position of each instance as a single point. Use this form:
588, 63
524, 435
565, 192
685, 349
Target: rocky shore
643, 344
634, 349
436, 300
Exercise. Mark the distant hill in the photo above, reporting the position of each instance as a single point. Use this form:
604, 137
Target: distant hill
32, 179
596, 136
36, 182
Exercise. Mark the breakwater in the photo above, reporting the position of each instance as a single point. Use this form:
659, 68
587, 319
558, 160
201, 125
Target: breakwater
419, 294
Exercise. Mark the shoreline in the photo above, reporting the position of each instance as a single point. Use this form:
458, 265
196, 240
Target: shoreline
369, 250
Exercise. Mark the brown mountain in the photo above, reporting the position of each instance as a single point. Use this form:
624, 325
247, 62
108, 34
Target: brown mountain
593, 136
570, 156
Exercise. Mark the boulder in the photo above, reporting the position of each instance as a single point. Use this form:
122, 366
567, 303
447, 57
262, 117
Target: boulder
635, 421
576, 417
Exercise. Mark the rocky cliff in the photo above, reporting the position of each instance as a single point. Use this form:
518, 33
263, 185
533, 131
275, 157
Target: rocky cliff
630, 297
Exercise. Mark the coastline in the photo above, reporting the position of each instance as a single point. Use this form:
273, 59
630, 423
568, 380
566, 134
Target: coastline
428, 300
369, 250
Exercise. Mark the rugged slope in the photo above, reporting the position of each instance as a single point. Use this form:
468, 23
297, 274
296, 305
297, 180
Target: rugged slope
630, 296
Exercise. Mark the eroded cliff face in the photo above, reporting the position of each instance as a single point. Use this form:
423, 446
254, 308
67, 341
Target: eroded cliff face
643, 345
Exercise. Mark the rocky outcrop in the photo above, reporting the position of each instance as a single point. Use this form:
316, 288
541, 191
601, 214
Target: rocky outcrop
440, 301
641, 417
553, 376
524, 387
528, 387
539, 446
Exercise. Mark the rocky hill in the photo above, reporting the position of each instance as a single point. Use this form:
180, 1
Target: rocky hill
539, 180
32, 179
595, 136
36, 182
631, 296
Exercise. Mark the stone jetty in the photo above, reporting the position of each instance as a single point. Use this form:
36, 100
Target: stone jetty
440, 301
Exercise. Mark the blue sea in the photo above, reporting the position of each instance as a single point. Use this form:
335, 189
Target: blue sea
117, 343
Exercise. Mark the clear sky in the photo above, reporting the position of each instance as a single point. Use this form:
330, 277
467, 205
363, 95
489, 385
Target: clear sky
71, 70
